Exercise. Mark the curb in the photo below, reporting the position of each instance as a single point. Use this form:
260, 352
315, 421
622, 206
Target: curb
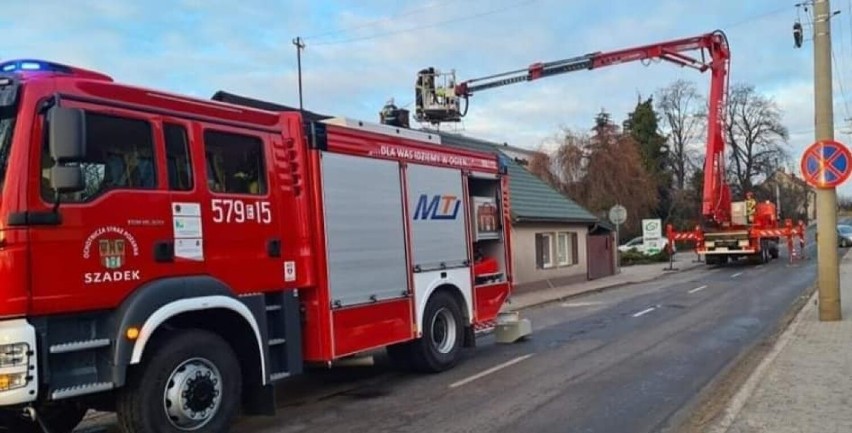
562, 298
736, 403
746, 391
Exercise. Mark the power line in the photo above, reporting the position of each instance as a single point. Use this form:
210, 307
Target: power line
837, 75
757, 17
377, 21
436, 24
838, 69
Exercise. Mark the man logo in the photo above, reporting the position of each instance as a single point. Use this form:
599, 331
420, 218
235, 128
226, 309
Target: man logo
441, 207
112, 253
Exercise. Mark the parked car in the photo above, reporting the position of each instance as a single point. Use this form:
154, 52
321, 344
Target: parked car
638, 245
844, 235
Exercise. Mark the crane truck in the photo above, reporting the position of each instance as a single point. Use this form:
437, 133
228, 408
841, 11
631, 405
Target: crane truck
728, 230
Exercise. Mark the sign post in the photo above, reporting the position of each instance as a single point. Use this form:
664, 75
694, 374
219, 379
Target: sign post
825, 165
618, 215
652, 233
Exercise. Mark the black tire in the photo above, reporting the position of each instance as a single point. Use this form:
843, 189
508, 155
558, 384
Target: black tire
142, 402
57, 417
425, 354
400, 356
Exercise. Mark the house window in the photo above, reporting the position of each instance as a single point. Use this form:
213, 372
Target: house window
544, 250
562, 249
556, 249
566, 249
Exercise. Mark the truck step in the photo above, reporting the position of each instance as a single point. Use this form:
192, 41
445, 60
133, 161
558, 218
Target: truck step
77, 346
278, 376
88, 388
282, 334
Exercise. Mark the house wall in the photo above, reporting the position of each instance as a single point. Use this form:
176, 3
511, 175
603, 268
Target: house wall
528, 275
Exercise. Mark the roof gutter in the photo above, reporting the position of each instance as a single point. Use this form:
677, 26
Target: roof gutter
554, 220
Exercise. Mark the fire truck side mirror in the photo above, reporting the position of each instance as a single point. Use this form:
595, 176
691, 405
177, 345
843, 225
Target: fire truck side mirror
66, 178
67, 134
67, 142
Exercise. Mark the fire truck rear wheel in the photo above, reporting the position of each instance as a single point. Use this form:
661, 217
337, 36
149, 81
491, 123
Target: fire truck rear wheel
190, 381
443, 333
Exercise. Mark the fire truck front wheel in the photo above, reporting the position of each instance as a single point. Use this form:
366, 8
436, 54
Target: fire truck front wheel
190, 382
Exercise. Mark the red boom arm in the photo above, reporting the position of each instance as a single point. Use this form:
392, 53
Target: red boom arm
716, 206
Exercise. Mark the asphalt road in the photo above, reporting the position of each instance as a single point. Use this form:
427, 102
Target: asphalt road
628, 359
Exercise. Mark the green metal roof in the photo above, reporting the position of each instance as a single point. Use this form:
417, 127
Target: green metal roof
533, 200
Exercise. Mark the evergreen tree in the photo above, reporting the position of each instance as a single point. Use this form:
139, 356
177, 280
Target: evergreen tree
643, 126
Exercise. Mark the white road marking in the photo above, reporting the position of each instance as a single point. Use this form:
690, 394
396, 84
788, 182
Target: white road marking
736, 275
491, 370
581, 304
645, 311
697, 289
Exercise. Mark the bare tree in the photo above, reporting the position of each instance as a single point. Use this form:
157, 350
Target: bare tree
541, 164
615, 173
571, 162
684, 115
599, 170
755, 136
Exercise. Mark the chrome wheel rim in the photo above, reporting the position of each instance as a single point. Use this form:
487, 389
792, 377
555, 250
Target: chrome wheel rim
192, 394
443, 331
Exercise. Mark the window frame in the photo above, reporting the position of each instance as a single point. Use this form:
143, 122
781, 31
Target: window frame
546, 246
560, 237
100, 110
188, 147
263, 177
553, 240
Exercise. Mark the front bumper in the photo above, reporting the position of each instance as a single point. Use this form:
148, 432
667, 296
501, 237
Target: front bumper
18, 331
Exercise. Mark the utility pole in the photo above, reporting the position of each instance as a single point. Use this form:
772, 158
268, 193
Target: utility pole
300, 45
828, 271
778, 198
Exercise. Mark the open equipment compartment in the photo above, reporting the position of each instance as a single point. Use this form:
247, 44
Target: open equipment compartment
487, 229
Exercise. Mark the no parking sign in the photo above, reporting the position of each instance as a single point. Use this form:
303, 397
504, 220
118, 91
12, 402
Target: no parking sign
826, 164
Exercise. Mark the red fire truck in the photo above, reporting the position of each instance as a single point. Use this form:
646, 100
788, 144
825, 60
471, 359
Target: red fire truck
171, 258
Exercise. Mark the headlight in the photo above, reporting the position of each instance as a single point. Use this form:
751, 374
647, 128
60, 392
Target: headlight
709, 244
743, 243
14, 355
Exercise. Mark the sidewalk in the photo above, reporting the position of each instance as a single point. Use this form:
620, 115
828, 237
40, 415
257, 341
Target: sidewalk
805, 383
629, 275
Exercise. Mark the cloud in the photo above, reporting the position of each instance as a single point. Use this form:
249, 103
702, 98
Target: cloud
198, 47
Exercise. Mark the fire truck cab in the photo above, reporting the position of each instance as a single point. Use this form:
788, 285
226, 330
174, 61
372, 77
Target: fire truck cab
172, 259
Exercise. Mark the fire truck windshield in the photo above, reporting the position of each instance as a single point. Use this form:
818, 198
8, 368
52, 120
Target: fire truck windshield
7, 124
8, 109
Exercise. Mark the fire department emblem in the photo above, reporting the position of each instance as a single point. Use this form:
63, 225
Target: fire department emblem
112, 252
115, 248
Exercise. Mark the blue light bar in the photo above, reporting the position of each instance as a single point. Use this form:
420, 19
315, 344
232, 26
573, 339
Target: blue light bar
33, 65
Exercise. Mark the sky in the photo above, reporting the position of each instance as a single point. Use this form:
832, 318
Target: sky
360, 54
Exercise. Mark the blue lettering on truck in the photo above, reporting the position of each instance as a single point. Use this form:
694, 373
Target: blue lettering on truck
441, 207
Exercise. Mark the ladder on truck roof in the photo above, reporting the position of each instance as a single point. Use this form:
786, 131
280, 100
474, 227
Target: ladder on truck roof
395, 131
